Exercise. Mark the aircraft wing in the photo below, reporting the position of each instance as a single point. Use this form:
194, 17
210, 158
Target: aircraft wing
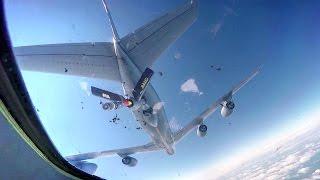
95, 60
211, 109
146, 44
121, 152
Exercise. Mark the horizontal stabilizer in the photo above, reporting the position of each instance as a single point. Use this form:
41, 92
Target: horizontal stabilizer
91, 60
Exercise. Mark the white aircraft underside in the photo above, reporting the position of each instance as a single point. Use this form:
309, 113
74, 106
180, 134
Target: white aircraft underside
125, 61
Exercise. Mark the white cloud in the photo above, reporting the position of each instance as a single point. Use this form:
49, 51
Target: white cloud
309, 145
316, 177
291, 159
273, 170
307, 156
261, 159
282, 167
285, 169
273, 177
85, 87
316, 172
190, 86
304, 170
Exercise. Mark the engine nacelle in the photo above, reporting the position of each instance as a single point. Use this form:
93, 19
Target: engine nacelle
129, 161
85, 166
227, 108
110, 106
202, 130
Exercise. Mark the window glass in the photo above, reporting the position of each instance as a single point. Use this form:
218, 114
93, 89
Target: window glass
175, 89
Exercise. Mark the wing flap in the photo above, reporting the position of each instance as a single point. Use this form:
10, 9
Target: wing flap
146, 44
95, 60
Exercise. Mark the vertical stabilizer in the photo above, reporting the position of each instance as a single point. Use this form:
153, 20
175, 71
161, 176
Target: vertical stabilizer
113, 27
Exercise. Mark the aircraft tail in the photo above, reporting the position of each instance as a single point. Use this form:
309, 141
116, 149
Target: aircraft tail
113, 27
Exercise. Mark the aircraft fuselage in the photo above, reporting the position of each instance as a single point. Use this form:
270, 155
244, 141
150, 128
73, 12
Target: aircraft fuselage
159, 130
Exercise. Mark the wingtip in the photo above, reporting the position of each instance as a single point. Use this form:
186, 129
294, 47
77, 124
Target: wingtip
259, 68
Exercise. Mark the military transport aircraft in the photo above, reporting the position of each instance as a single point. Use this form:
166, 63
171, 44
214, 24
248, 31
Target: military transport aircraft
128, 60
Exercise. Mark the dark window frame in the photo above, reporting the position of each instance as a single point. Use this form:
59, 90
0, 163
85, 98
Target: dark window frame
15, 97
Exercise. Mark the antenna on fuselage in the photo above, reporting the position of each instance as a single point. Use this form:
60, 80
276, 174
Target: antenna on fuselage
113, 27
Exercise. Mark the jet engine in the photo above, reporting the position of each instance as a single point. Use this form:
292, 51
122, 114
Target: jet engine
110, 106
129, 161
85, 166
202, 130
227, 108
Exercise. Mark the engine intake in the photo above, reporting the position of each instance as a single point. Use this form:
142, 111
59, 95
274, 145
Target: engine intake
129, 161
202, 130
85, 166
230, 105
227, 108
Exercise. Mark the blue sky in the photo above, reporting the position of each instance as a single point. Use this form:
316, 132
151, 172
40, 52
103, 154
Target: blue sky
237, 35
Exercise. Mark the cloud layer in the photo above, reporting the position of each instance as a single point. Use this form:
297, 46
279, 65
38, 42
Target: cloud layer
292, 155
292, 161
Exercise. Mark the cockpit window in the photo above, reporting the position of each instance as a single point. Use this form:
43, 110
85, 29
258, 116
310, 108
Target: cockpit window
182, 89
